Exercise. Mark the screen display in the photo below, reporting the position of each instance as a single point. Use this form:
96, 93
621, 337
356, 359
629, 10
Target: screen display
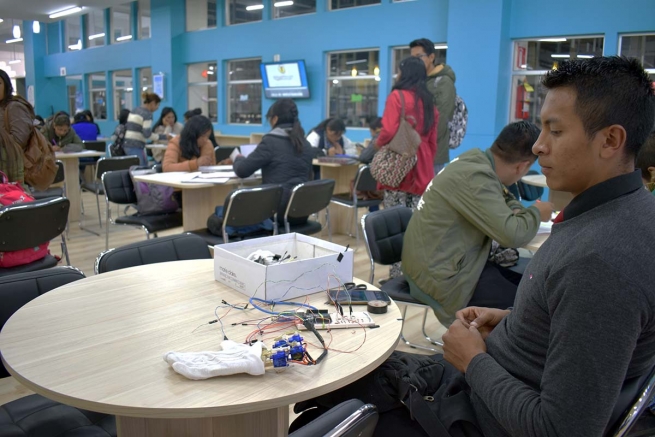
285, 79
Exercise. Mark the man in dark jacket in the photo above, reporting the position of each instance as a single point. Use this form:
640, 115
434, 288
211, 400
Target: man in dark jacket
441, 83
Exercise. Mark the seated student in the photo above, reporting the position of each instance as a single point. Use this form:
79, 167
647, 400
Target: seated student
192, 148
167, 124
89, 117
283, 155
59, 133
375, 127
448, 240
328, 137
86, 130
193, 112
646, 162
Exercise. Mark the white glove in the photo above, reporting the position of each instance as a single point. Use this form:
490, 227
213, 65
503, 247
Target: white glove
234, 358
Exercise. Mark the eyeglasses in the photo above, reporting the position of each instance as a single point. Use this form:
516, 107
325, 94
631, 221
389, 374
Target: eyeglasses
421, 55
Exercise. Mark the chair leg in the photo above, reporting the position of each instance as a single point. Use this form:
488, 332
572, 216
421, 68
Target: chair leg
327, 222
427, 337
107, 217
64, 249
83, 219
408, 343
98, 203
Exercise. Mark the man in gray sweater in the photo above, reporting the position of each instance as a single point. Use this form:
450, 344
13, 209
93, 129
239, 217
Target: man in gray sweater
584, 317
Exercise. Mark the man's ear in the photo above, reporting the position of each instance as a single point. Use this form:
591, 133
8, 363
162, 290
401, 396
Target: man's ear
522, 167
614, 139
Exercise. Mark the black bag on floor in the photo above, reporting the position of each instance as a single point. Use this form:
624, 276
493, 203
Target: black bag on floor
417, 395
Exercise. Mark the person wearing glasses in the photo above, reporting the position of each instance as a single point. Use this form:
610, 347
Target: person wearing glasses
441, 83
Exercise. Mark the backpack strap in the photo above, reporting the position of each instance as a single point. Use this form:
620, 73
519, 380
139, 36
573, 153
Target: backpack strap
420, 411
402, 104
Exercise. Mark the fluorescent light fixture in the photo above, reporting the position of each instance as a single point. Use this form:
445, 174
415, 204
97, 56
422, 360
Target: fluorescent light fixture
97, 35
560, 56
282, 4
524, 66
356, 62
552, 39
65, 12
584, 56
210, 72
1, 20
124, 38
15, 61
440, 46
129, 90
77, 46
254, 7
16, 31
10, 41
377, 78
335, 81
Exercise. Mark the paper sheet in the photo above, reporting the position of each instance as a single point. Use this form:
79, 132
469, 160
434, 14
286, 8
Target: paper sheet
206, 178
545, 228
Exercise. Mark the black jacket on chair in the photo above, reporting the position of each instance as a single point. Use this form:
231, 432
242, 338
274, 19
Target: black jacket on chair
280, 163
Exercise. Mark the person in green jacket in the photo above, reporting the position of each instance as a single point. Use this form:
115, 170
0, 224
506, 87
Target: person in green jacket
447, 243
441, 84
59, 133
646, 163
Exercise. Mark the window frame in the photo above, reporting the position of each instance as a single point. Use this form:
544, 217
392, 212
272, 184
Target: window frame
207, 26
114, 89
330, 8
87, 19
67, 22
92, 90
140, 18
394, 61
228, 95
112, 39
207, 84
650, 71
273, 17
227, 13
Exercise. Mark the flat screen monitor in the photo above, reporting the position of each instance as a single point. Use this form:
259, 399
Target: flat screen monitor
286, 79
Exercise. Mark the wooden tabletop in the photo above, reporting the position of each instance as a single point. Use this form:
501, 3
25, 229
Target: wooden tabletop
333, 164
82, 154
536, 242
99, 343
174, 179
538, 180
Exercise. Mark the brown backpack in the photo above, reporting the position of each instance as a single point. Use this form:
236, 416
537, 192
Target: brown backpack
38, 158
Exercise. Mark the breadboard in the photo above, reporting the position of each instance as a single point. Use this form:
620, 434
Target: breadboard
356, 320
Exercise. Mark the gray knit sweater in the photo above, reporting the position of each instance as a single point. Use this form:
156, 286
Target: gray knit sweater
583, 321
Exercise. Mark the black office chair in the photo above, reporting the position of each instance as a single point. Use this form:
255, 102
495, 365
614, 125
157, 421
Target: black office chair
96, 146
27, 225
384, 231
306, 199
172, 248
527, 191
53, 191
247, 207
363, 182
119, 189
34, 414
351, 418
222, 152
102, 166
636, 394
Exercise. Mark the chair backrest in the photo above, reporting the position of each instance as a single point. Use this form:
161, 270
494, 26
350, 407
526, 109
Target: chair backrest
309, 197
17, 290
351, 418
60, 176
384, 231
634, 398
158, 250
249, 206
364, 180
26, 225
529, 192
98, 146
118, 187
361, 423
222, 152
115, 163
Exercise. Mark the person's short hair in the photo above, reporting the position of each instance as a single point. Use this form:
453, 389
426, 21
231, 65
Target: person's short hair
336, 125
610, 90
515, 141
426, 44
149, 97
646, 157
375, 123
62, 120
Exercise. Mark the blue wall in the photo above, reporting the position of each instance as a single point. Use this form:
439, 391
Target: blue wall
479, 34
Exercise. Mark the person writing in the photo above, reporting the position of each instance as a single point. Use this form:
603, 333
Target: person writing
59, 132
191, 149
329, 138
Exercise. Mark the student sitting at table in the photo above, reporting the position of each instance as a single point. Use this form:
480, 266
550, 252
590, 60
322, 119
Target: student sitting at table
328, 137
646, 162
284, 157
86, 130
192, 148
375, 127
59, 133
466, 206
192, 113
167, 124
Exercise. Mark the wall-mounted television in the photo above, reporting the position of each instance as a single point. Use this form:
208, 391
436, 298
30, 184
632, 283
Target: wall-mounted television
286, 79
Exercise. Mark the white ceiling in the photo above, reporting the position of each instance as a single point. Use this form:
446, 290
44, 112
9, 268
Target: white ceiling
40, 9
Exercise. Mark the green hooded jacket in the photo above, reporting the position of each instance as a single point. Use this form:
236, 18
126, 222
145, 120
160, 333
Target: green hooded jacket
442, 87
448, 239
70, 138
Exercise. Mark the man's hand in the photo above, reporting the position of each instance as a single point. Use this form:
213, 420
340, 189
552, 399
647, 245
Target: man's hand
483, 319
331, 151
545, 209
461, 345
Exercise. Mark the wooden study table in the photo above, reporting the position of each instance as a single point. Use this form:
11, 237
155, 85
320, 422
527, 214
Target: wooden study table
98, 344
536, 242
157, 146
559, 198
340, 218
72, 174
199, 200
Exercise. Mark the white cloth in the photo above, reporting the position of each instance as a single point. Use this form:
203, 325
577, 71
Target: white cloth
234, 358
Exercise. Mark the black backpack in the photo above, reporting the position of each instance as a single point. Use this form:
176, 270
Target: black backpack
117, 149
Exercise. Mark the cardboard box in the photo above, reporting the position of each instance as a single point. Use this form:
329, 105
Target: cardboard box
307, 274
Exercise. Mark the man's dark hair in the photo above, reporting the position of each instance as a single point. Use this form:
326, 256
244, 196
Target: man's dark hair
333, 123
610, 90
428, 46
193, 129
646, 157
192, 113
286, 112
515, 141
61, 120
375, 123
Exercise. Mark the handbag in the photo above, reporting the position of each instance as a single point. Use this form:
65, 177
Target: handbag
407, 140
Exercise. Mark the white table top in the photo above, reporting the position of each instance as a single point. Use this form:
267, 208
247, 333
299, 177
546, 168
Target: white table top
157, 146
538, 180
98, 344
77, 155
174, 179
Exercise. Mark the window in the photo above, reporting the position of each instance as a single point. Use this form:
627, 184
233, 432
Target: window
400, 53
641, 47
532, 59
75, 95
282, 9
244, 11
123, 91
353, 82
202, 89
145, 79
244, 91
73, 34
200, 14
94, 22
98, 95
121, 23
342, 4
144, 19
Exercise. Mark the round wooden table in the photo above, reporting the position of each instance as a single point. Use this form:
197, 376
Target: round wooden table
99, 343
